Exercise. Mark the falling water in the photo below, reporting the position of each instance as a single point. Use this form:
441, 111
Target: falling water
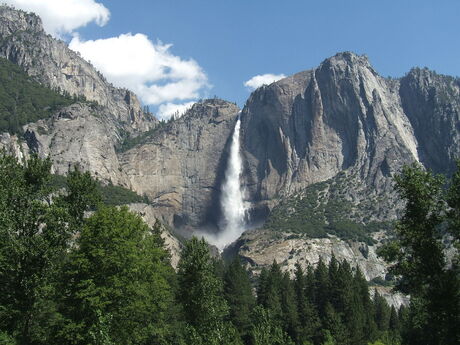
232, 203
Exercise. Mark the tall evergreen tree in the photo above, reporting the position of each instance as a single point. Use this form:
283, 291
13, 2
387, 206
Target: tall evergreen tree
308, 317
201, 295
270, 290
239, 296
289, 314
321, 287
382, 312
364, 307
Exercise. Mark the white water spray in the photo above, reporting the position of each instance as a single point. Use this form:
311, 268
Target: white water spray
232, 203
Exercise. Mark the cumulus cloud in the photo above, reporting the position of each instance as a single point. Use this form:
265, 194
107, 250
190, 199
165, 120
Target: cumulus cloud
263, 79
62, 17
149, 69
166, 111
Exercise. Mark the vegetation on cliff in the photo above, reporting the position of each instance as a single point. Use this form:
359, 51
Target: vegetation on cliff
323, 209
23, 100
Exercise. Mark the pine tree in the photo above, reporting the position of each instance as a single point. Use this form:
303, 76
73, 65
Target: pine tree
321, 288
308, 317
289, 313
239, 296
269, 292
368, 326
382, 313
201, 295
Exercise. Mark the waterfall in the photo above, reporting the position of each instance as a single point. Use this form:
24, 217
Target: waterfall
231, 202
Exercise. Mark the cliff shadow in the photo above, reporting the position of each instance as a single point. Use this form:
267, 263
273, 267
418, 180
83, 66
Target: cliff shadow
213, 214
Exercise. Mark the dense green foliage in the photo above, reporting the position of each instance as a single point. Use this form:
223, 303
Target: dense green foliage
128, 296
200, 292
110, 194
430, 221
23, 100
33, 238
314, 214
329, 304
106, 279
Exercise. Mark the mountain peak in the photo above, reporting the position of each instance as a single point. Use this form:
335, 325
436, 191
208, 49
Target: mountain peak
13, 20
347, 58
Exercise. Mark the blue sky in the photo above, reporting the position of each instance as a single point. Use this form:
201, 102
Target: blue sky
219, 45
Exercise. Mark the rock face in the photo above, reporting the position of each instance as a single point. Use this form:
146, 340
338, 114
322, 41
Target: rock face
181, 165
12, 146
81, 134
432, 104
343, 116
259, 248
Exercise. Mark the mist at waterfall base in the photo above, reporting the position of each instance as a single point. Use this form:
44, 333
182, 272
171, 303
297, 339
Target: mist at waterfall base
234, 208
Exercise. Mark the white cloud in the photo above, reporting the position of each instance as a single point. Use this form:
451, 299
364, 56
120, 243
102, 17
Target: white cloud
150, 70
264, 79
62, 17
165, 111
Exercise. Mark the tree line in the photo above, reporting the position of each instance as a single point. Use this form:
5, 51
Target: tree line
70, 277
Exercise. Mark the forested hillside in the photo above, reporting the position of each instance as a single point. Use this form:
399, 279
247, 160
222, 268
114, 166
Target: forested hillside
23, 100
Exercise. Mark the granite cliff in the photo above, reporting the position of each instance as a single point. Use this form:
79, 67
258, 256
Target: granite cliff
344, 117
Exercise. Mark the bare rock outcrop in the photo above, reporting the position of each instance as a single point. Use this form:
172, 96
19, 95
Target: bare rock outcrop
82, 135
259, 248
